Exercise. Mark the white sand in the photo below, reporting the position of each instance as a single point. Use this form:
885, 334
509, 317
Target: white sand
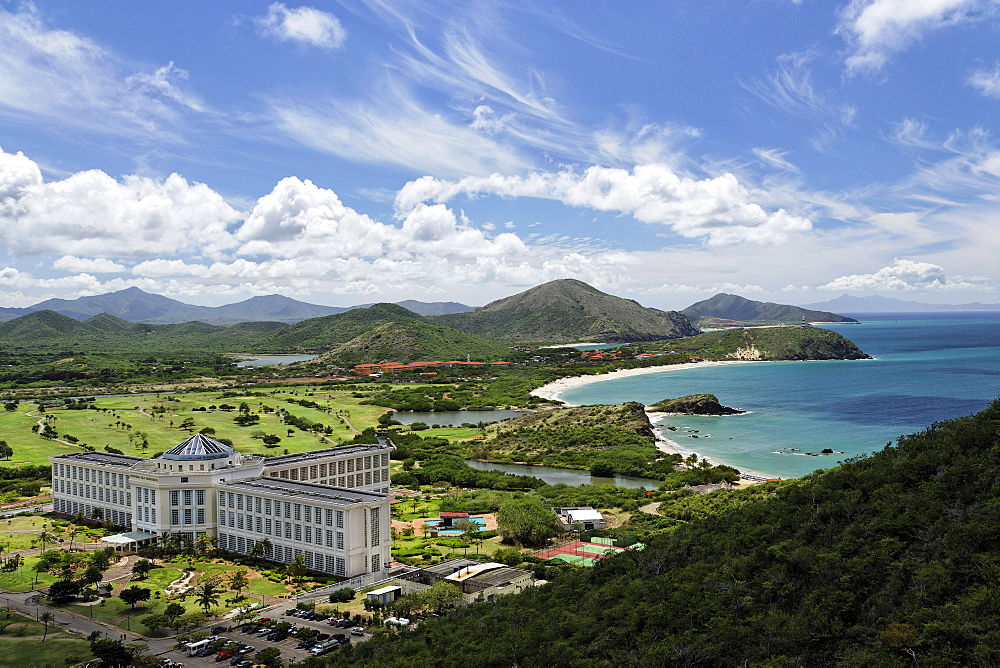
553, 390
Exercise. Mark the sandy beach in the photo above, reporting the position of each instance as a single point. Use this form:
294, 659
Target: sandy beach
553, 390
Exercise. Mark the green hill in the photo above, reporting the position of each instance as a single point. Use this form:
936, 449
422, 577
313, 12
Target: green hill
766, 343
42, 326
724, 310
329, 331
410, 341
568, 311
888, 560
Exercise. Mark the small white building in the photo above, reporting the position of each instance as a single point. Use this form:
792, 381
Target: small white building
476, 580
582, 517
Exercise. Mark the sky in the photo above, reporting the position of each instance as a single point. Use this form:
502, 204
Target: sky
375, 150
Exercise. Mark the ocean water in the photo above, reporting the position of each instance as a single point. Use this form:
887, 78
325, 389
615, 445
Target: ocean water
928, 368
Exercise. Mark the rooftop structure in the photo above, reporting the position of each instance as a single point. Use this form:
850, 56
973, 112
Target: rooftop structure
477, 580
198, 448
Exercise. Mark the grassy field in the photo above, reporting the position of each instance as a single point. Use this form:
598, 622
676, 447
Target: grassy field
29, 448
23, 579
22, 644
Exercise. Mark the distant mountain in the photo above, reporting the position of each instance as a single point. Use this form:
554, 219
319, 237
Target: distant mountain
876, 304
410, 341
724, 310
428, 308
567, 311
135, 305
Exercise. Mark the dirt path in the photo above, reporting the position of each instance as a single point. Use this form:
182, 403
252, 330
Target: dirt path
651, 508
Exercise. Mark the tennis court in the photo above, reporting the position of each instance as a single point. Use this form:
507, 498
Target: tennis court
579, 552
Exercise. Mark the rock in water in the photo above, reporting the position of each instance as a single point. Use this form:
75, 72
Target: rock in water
694, 404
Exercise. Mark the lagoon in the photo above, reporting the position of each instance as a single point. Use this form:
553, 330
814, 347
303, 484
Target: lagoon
555, 476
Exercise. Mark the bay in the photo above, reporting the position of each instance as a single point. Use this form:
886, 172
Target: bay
927, 368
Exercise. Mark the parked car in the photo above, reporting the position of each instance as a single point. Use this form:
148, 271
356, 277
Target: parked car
306, 644
323, 636
223, 657
219, 629
345, 623
358, 631
246, 649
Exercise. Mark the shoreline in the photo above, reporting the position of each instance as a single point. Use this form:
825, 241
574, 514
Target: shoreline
553, 390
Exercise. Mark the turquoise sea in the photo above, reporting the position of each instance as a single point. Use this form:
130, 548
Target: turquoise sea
927, 368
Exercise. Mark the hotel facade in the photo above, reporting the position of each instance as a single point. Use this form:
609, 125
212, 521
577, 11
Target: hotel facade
331, 505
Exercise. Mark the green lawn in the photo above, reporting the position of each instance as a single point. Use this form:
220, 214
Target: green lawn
266, 587
23, 579
29, 447
22, 643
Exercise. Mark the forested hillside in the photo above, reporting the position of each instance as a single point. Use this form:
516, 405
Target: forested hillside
889, 560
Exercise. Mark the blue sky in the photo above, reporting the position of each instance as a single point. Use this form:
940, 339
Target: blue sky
359, 151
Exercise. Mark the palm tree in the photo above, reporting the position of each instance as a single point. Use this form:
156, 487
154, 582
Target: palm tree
208, 595
238, 580
260, 548
72, 535
46, 618
203, 541
297, 568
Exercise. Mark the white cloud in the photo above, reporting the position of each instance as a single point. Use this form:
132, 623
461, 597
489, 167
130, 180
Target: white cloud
775, 158
986, 81
875, 29
89, 265
91, 214
61, 76
901, 276
718, 209
305, 25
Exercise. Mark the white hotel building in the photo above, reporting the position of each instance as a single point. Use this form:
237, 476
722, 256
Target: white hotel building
330, 505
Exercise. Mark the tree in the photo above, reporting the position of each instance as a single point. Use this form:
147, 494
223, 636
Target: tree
102, 558
135, 594
46, 618
441, 595
260, 548
508, 555
207, 431
73, 532
271, 440
110, 652
5, 450
467, 527
208, 595
270, 657
187, 424
526, 521
238, 580
62, 591
91, 576
155, 621
173, 612
244, 420
342, 595
141, 568
297, 568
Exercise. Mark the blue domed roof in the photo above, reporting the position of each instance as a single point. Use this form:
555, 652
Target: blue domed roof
198, 447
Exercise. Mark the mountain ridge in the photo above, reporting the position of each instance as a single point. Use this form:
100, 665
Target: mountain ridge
878, 304
726, 310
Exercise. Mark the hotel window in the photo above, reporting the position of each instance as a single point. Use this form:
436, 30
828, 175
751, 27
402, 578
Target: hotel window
288, 510
175, 498
267, 506
256, 504
200, 497
341, 567
232, 520
188, 517
340, 518
368, 477
309, 534
376, 566
329, 538
368, 462
385, 459
322, 470
259, 524
284, 474
350, 480
340, 540
222, 516
312, 472
350, 466
295, 474
239, 520
304, 473
201, 516
375, 526
154, 516
329, 517
341, 482
267, 526
239, 502
298, 511
175, 517
308, 517
340, 467
298, 532
288, 530
187, 497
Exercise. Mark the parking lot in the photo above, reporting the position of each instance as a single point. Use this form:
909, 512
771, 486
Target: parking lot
289, 646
